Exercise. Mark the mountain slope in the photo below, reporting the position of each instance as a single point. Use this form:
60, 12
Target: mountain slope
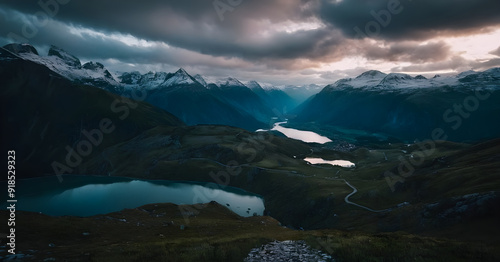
194, 103
411, 108
68, 66
238, 95
301, 93
274, 98
46, 116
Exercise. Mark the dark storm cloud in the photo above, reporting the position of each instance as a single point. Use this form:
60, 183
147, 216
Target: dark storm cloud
195, 25
409, 52
495, 62
91, 46
456, 63
256, 37
407, 19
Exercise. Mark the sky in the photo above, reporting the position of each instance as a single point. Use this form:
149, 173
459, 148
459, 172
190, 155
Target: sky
280, 42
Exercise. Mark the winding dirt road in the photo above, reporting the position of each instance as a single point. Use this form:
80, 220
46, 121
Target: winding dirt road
346, 199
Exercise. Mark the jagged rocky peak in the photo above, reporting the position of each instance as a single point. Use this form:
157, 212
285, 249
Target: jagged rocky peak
421, 77
180, 77
66, 57
130, 78
181, 71
93, 65
155, 76
97, 67
21, 48
133, 73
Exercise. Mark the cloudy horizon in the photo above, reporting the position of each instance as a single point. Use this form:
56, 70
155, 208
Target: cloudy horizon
278, 42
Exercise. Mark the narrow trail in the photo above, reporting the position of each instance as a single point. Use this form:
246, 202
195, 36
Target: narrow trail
346, 199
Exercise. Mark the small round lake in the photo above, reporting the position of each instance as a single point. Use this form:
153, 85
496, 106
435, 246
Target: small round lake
92, 195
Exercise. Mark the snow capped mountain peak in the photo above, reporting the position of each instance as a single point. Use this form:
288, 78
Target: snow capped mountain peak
155, 75
181, 77
421, 77
200, 80
21, 48
181, 71
67, 65
395, 78
253, 85
93, 66
398, 76
131, 78
376, 80
229, 81
490, 75
96, 70
149, 80
66, 57
267, 86
368, 78
372, 74
155, 80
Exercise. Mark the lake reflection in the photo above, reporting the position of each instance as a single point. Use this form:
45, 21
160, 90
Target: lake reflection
91, 195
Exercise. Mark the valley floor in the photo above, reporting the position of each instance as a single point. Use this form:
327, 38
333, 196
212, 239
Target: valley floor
445, 210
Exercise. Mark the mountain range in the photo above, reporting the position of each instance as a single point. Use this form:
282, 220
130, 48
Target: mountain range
461, 107
226, 102
395, 105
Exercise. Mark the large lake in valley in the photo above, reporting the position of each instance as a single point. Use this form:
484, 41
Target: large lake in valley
92, 195
306, 136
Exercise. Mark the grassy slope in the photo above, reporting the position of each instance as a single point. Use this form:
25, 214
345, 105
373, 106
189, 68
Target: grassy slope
301, 195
